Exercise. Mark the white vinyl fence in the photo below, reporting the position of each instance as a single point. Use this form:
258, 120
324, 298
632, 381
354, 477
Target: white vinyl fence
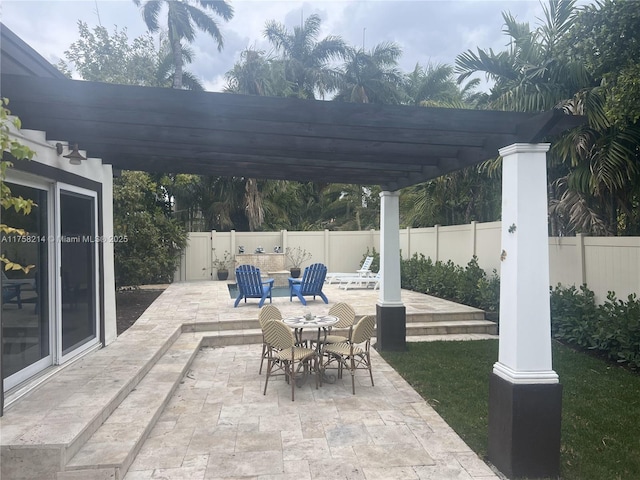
603, 263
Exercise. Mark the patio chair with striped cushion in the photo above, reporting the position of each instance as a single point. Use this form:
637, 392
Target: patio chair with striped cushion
268, 312
346, 318
354, 355
283, 355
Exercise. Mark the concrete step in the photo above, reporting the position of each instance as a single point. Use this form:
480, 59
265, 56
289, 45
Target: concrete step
445, 317
452, 328
109, 452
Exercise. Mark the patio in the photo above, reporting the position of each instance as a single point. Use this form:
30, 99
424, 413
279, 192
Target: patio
178, 396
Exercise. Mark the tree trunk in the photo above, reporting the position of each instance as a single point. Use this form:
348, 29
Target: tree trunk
176, 49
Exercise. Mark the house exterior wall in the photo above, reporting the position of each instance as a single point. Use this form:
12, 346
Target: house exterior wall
603, 263
93, 170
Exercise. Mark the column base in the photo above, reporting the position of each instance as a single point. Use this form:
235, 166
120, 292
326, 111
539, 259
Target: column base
524, 428
391, 328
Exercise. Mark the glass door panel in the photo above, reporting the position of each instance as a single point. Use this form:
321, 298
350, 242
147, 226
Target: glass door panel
77, 270
26, 326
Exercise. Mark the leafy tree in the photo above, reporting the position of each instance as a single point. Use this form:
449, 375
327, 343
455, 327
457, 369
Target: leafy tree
452, 199
151, 253
593, 166
351, 207
306, 60
100, 57
142, 209
21, 205
371, 76
183, 18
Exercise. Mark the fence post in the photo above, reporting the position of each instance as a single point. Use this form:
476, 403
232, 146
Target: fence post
473, 238
232, 245
436, 233
327, 251
581, 260
408, 229
212, 246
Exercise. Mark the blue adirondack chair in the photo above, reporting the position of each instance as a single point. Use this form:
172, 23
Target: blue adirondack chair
251, 285
310, 284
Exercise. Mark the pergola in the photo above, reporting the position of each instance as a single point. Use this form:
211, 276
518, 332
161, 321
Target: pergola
165, 130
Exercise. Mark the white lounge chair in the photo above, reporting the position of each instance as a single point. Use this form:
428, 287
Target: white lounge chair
372, 281
363, 271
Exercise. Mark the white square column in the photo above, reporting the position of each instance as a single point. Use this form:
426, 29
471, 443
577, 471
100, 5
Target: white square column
525, 318
525, 396
391, 328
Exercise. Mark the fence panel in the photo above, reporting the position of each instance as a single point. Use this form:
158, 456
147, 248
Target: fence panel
612, 263
604, 263
197, 257
487, 246
347, 249
565, 261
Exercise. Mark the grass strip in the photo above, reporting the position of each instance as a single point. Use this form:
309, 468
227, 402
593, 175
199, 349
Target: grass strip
600, 409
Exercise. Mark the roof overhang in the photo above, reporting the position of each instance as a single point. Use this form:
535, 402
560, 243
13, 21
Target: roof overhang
166, 130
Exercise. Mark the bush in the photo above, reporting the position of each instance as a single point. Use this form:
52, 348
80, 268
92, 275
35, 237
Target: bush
469, 285
612, 328
375, 264
151, 253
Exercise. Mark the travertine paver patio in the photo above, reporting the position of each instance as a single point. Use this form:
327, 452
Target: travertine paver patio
220, 425
217, 423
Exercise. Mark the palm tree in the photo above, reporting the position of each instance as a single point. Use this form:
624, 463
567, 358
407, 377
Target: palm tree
257, 74
432, 86
165, 71
371, 76
306, 59
183, 17
530, 75
593, 164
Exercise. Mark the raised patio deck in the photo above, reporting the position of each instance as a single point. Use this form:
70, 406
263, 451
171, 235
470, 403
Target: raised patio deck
91, 418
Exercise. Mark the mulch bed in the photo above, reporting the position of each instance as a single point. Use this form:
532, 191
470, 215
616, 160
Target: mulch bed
130, 304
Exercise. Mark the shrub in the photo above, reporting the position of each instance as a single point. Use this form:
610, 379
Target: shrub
151, 253
612, 328
468, 285
574, 315
375, 264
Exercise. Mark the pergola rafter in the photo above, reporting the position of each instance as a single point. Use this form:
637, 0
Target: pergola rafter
164, 130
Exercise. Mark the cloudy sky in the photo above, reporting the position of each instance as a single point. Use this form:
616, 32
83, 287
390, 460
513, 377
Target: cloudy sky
427, 30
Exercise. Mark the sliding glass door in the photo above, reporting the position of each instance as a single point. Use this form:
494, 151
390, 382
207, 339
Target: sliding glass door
51, 313
26, 317
78, 270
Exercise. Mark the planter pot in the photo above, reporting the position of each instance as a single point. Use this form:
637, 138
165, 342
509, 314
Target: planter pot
223, 274
295, 272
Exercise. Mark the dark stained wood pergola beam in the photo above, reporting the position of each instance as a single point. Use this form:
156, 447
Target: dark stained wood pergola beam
157, 129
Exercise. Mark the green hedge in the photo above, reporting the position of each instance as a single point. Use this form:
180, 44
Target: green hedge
467, 285
612, 328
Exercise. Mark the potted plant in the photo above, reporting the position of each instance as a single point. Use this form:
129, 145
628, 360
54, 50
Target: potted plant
296, 256
222, 264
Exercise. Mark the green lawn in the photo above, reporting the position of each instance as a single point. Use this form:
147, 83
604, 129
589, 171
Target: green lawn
600, 411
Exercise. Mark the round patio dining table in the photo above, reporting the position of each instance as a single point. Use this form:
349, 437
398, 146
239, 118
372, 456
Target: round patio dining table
321, 323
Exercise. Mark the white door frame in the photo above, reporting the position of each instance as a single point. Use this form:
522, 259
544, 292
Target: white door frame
59, 356
39, 183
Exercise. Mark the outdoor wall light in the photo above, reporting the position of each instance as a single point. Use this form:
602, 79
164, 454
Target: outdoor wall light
75, 157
